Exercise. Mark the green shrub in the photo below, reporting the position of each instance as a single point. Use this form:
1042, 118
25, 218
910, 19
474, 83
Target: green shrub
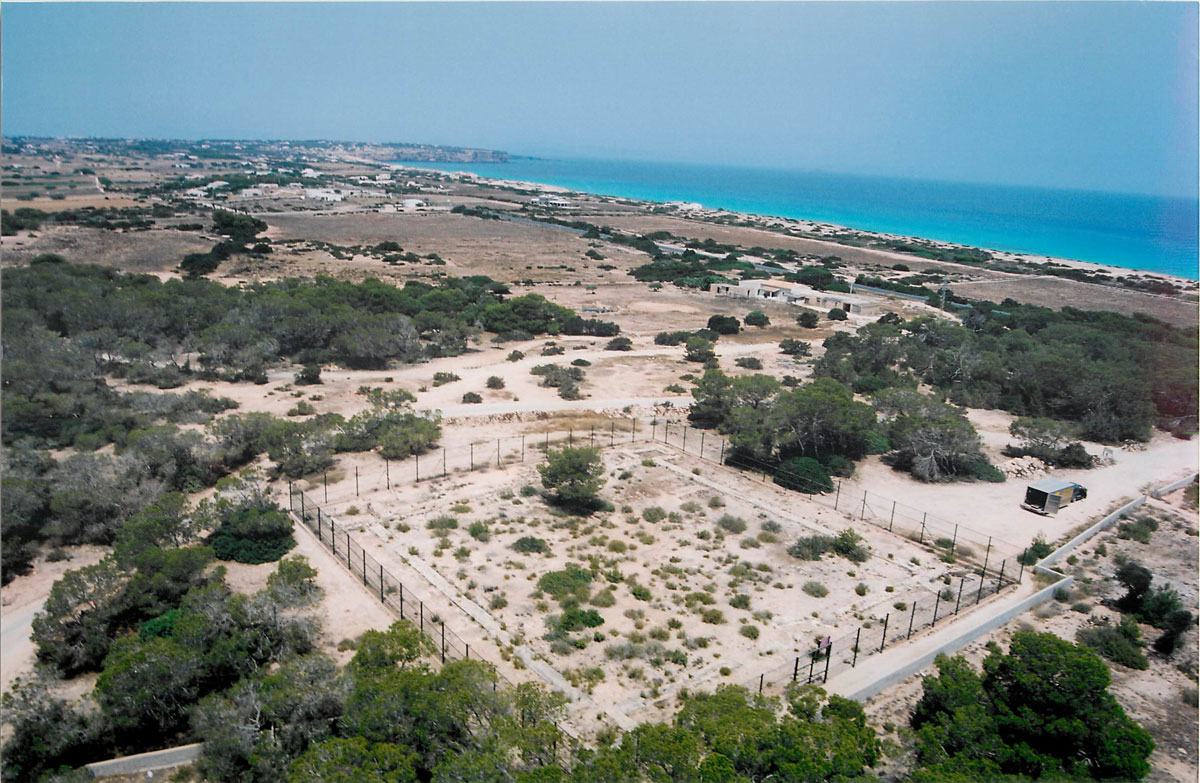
731, 524
253, 534
1036, 551
654, 514
444, 522
816, 589
860, 588
749, 631
479, 531
619, 344
571, 583
1121, 643
495, 382
442, 378
531, 545
604, 598
1138, 530
515, 356
740, 601
471, 398
712, 616
803, 474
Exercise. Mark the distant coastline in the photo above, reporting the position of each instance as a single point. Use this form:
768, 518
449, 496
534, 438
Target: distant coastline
1126, 232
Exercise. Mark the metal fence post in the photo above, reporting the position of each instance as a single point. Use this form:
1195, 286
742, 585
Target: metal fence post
857, 634
364, 559
982, 579
1000, 580
522, 448
1021, 564
387, 472
812, 661
684, 446
954, 541
443, 641
911, 617
497, 452
987, 554
417, 463
472, 456
828, 658
892, 519
837, 496
883, 641
325, 480
401, 599
936, 603
924, 515
958, 603
356, 481
381, 586
863, 514
760, 682
444, 473
593, 441
303, 513
722, 458
612, 434
701, 444
332, 532
796, 669
633, 430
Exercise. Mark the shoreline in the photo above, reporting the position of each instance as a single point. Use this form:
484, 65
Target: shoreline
829, 232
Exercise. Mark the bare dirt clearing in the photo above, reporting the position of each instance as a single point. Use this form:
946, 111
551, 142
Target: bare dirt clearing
134, 251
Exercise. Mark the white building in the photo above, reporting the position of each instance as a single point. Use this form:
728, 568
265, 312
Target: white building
550, 200
322, 194
793, 293
413, 204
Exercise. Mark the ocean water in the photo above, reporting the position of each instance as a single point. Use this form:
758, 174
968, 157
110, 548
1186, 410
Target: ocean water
1144, 233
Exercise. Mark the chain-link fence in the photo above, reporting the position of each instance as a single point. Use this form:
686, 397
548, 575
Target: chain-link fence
950, 541
449, 646
830, 656
367, 473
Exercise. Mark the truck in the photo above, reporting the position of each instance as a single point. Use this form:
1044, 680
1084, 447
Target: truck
1047, 496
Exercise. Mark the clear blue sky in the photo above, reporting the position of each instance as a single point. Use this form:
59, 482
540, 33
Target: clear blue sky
1096, 96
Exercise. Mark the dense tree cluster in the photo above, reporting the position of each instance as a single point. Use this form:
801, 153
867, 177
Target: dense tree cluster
163, 632
86, 319
1109, 374
1040, 711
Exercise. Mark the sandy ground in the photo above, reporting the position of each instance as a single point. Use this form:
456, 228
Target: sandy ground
21, 599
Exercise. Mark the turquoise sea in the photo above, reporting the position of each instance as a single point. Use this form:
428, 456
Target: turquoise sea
1139, 232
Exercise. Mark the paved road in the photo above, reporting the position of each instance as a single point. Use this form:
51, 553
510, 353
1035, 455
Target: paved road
144, 762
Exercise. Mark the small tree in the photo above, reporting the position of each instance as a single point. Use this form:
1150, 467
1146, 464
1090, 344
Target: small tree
698, 350
756, 318
495, 382
837, 314
808, 319
309, 375
575, 474
619, 344
724, 324
793, 347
